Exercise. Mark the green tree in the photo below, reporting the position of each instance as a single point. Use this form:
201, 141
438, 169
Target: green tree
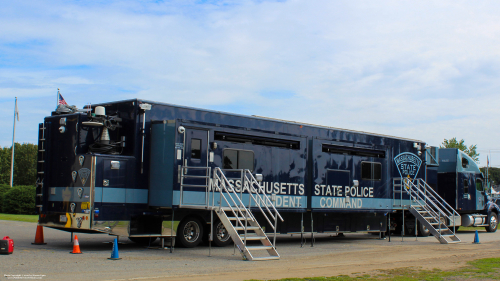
494, 174
24, 164
453, 143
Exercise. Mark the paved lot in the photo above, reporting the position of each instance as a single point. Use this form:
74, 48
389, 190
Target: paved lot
354, 253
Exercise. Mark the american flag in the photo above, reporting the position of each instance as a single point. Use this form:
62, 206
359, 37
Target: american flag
60, 99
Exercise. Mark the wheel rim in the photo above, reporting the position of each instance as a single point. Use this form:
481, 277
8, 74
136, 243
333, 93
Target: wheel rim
493, 222
221, 232
191, 231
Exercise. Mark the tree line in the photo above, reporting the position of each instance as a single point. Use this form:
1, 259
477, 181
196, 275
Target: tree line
25, 160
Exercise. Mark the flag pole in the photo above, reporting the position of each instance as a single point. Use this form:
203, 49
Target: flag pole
13, 146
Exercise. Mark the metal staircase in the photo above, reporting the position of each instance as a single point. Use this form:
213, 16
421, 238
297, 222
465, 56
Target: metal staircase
430, 209
238, 218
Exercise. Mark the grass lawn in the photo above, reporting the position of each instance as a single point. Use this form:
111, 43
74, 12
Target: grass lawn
483, 269
26, 218
470, 228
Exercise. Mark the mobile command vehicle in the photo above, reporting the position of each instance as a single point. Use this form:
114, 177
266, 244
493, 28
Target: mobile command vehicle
145, 169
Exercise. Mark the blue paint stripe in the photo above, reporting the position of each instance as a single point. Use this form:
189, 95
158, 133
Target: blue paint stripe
102, 195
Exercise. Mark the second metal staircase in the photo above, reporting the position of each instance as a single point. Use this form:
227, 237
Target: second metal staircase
430, 209
239, 220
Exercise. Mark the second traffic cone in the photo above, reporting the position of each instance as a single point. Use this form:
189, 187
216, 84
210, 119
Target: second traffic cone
114, 252
76, 246
39, 236
476, 238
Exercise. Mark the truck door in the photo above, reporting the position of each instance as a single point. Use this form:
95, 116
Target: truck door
466, 192
479, 194
195, 179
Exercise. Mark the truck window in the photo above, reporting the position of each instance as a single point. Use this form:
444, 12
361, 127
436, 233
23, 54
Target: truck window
238, 159
465, 163
195, 149
479, 185
466, 186
371, 171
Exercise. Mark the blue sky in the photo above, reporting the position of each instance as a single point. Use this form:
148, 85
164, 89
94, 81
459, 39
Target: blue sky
417, 69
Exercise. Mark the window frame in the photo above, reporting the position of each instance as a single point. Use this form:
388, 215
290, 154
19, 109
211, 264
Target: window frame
238, 158
199, 149
371, 179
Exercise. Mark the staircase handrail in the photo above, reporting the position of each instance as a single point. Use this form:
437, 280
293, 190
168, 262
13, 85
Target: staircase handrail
443, 202
258, 192
416, 198
427, 199
434, 199
222, 186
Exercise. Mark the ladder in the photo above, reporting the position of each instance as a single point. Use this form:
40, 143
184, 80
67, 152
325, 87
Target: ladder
40, 168
431, 210
238, 218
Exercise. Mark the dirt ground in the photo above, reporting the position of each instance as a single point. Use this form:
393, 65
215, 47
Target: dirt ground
366, 261
354, 254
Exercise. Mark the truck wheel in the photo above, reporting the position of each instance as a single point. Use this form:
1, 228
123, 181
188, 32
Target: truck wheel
145, 241
221, 235
422, 230
190, 232
492, 222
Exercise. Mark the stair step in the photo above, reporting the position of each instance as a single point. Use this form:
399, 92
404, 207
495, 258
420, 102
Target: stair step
252, 237
255, 248
248, 227
453, 242
266, 258
442, 229
241, 218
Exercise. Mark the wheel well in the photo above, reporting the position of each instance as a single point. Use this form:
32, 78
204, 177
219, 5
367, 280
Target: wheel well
196, 216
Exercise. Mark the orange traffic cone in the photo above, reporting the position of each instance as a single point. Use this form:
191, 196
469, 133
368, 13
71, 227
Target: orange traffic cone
39, 236
76, 246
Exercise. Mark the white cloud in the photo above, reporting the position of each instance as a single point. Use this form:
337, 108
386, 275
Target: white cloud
426, 70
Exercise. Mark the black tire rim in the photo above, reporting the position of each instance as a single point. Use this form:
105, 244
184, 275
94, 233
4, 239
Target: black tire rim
221, 233
191, 231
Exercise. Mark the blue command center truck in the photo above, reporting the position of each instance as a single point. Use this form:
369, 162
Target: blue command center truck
145, 169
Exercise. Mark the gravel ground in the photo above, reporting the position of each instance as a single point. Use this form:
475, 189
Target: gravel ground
330, 256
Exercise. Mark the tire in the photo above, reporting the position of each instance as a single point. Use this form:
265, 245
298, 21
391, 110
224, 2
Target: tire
145, 241
190, 232
492, 222
422, 230
221, 235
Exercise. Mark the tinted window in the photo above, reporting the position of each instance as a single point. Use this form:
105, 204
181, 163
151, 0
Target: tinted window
245, 160
230, 159
195, 149
465, 163
371, 171
238, 159
479, 185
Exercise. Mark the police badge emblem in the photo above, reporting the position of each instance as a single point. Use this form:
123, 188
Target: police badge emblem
84, 175
408, 164
81, 158
79, 221
73, 175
